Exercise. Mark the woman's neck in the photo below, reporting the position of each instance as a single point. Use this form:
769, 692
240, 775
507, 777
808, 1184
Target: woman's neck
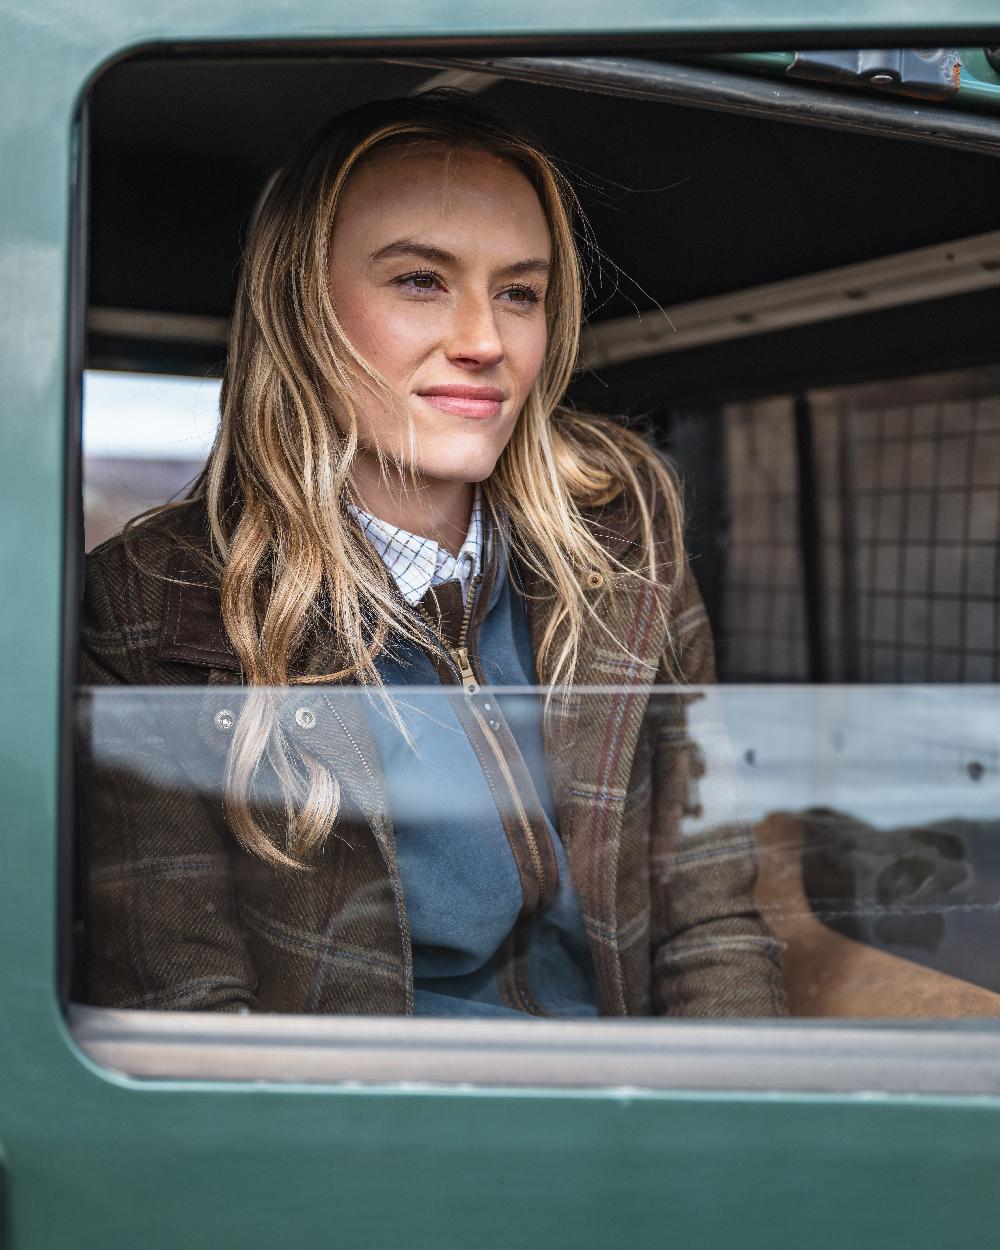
435, 509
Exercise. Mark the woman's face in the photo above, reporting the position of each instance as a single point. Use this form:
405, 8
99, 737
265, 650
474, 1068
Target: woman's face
439, 267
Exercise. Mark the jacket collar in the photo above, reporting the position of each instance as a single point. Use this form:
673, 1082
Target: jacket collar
193, 632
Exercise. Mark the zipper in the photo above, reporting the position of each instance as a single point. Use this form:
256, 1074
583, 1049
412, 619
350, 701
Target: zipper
459, 654
470, 683
522, 815
461, 659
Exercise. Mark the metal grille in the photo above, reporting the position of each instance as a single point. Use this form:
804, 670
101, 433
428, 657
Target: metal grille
907, 480
926, 498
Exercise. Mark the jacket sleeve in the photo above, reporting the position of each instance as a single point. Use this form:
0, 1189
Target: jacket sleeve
713, 955
160, 906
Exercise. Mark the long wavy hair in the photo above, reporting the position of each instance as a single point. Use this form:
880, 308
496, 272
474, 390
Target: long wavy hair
276, 484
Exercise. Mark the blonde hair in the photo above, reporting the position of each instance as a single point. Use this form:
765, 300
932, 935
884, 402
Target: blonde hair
277, 479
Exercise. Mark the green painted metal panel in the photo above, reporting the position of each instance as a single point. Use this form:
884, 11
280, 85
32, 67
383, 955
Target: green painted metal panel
980, 82
99, 1163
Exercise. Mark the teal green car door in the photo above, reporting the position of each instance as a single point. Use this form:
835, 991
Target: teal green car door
92, 1160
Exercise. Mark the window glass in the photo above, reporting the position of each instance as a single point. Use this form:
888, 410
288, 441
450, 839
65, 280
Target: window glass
442, 886
779, 797
145, 437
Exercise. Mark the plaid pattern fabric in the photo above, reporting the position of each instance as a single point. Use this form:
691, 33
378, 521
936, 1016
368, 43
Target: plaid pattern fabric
418, 563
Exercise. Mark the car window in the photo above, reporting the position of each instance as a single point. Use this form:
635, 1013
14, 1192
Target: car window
787, 806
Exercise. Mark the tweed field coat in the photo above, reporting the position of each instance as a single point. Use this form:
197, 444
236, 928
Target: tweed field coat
179, 916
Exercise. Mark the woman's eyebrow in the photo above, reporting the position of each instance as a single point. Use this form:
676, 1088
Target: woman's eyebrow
409, 247
536, 264
438, 256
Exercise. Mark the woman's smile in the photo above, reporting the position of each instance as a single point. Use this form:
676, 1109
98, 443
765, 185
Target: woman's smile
476, 402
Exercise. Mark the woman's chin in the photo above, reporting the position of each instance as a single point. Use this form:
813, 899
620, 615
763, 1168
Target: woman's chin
465, 475
464, 467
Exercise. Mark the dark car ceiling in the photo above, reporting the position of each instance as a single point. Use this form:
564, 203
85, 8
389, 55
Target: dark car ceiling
685, 203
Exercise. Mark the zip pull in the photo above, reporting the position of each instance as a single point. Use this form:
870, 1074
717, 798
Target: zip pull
461, 657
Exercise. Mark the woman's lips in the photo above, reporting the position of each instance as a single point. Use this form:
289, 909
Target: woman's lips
464, 401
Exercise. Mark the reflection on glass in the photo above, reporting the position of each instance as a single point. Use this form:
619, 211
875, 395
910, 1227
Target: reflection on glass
479, 855
145, 439
876, 816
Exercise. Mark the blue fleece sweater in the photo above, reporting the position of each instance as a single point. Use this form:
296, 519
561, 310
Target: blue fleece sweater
460, 882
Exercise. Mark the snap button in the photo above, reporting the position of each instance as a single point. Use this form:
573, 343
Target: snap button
224, 719
305, 718
595, 580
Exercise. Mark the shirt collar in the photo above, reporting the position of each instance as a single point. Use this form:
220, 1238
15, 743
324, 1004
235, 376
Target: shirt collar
417, 563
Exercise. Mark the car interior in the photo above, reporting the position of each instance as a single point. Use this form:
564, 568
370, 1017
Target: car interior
795, 293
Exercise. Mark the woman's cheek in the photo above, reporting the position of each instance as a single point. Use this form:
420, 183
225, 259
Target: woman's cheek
374, 326
401, 337
532, 355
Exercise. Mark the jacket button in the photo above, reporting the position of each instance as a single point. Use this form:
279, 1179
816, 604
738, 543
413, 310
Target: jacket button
595, 580
224, 719
305, 718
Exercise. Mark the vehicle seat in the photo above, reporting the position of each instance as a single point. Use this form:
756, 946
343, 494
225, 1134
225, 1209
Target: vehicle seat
830, 974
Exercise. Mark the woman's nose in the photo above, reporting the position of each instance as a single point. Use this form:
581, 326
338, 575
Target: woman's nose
474, 337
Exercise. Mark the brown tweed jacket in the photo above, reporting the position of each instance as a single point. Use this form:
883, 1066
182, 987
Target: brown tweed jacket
179, 916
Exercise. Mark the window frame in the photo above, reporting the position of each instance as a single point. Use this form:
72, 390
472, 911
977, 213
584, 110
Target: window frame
841, 1057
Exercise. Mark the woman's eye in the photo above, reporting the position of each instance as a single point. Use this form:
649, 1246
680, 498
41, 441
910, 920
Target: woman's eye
422, 282
426, 282
522, 295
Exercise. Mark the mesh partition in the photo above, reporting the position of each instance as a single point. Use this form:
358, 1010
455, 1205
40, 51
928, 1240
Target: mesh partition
907, 483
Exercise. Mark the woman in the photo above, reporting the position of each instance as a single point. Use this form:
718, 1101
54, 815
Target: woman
397, 497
